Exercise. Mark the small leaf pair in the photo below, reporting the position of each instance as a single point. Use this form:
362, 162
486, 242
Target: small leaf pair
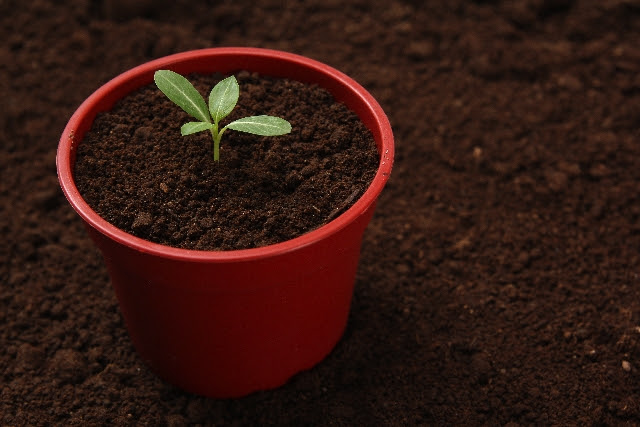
222, 100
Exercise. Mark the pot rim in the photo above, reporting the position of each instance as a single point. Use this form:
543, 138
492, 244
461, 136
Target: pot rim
142, 74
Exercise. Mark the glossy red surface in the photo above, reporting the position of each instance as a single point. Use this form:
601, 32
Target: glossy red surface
226, 323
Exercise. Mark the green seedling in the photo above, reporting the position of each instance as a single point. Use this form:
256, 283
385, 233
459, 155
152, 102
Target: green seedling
222, 100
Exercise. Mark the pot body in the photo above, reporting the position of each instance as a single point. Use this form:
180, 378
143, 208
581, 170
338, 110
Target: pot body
227, 329
225, 324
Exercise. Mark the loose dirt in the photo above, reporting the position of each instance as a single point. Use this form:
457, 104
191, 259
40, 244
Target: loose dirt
138, 173
499, 281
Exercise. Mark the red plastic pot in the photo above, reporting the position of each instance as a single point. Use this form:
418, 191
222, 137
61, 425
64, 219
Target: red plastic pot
227, 323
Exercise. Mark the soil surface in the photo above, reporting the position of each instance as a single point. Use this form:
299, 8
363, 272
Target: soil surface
138, 173
500, 277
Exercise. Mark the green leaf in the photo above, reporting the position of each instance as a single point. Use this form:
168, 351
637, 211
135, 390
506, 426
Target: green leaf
194, 127
223, 98
179, 90
261, 125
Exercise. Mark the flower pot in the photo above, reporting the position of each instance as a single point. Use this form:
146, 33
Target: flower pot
227, 323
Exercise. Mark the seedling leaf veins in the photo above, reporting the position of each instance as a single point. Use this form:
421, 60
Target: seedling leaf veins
222, 100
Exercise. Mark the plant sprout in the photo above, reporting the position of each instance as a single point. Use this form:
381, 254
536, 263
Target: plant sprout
222, 100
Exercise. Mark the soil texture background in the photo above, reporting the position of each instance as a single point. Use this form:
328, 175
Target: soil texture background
500, 278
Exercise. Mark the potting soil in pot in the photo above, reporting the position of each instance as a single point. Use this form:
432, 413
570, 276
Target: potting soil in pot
137, 171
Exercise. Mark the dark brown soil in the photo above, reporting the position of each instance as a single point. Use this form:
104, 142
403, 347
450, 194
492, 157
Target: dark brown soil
500, 278
138, 173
